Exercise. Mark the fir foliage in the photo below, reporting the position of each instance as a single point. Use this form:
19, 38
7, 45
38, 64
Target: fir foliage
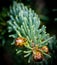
24, 22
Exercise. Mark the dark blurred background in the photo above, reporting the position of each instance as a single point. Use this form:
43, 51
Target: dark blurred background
47, 11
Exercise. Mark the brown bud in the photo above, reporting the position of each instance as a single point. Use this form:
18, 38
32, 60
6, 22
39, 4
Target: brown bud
37, 56
45, 48
20, 41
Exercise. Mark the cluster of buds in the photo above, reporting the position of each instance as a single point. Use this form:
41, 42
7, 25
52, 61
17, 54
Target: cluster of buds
36, 53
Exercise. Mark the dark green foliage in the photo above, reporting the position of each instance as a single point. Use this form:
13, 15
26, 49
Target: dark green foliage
3, 25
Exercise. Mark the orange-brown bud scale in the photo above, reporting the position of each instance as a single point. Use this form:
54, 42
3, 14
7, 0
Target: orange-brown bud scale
32, 45
35, 49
